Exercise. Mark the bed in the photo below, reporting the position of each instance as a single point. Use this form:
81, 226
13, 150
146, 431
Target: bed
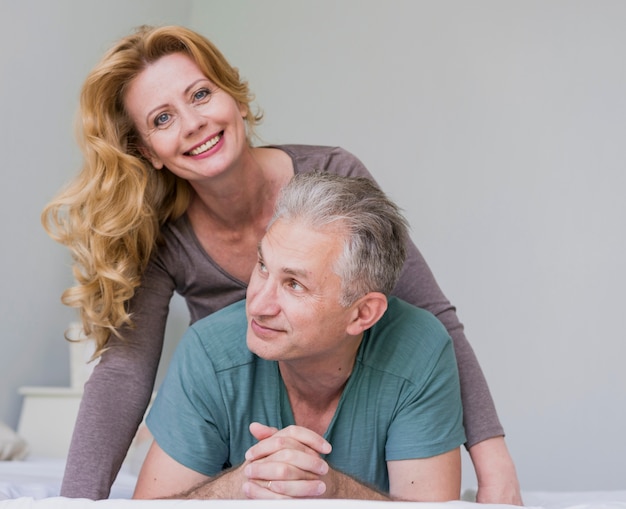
32, 464
34, 483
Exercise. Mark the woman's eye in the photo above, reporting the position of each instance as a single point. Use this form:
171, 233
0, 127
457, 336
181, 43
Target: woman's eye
201, 94
262, 267
161, 119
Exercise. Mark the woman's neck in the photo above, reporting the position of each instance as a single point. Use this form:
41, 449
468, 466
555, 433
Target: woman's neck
230, 213
240, 196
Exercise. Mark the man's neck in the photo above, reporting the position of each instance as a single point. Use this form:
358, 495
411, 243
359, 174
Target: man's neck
314, 391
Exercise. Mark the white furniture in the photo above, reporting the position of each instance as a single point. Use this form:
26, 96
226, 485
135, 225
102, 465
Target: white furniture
49, 413
47, 419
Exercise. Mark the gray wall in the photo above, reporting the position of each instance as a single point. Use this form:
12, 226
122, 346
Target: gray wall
498, 127
46, 50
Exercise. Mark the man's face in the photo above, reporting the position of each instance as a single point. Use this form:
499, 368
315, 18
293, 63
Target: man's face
293, 297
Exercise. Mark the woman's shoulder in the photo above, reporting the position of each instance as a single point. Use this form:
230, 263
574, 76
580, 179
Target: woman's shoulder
301, 150
177, 249
333, 159
175, 235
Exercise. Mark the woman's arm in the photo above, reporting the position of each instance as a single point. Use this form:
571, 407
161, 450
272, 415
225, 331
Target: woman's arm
418, 286
495, 471
485, 435
116, 396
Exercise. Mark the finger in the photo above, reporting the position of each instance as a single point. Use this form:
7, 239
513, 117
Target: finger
287, 464
259, 490
284, 489
278, 449
300, 488
261, 431
291, 437
307, 437
270, 446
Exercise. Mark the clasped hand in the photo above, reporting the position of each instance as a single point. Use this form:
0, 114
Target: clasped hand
285, 463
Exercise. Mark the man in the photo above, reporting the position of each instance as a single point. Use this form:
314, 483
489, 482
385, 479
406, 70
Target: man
340, 393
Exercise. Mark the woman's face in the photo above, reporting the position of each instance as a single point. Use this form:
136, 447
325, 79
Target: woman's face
185, 122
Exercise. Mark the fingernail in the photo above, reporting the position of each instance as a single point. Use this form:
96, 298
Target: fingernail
324, 469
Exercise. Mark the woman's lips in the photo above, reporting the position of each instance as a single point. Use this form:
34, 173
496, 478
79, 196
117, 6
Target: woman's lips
206, 146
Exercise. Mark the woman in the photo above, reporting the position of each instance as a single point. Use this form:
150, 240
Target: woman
173, 197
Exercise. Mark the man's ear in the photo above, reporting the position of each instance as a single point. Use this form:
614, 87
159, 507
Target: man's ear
367, 311
147, 153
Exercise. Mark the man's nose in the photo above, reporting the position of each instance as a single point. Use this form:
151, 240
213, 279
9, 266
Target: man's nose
263, 297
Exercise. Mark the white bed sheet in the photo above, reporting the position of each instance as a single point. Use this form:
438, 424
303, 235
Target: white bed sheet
35, 484
576, 499
39, 477
65, 503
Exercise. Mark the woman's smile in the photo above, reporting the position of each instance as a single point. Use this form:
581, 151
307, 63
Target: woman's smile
187, 124
207, 145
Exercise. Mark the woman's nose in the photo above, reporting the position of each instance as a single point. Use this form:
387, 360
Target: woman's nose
193, 121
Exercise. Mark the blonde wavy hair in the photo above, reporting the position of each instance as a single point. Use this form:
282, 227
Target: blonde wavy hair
111, 214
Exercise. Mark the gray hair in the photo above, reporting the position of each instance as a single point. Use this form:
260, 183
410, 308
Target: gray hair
375, 235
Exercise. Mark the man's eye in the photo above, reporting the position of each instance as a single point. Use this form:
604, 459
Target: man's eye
161, 119
295, 285
262, 267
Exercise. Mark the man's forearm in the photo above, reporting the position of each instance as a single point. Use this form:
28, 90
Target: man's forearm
227, 485
340, 485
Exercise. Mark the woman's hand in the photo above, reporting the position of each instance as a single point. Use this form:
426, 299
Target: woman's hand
495, 472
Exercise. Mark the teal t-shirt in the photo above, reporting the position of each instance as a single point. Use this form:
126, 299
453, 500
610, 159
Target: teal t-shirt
402, 400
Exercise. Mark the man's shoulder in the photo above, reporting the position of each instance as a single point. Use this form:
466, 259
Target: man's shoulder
222, 336
406, 336
401, 315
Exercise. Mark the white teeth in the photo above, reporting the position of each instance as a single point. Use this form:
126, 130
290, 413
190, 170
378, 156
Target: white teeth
205, 146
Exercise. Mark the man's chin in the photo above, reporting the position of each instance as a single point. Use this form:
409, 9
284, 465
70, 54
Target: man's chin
258, 346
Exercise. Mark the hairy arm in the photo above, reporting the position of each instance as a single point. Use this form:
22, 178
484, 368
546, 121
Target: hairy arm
287, 464
277, 474
163, 477
291, 460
